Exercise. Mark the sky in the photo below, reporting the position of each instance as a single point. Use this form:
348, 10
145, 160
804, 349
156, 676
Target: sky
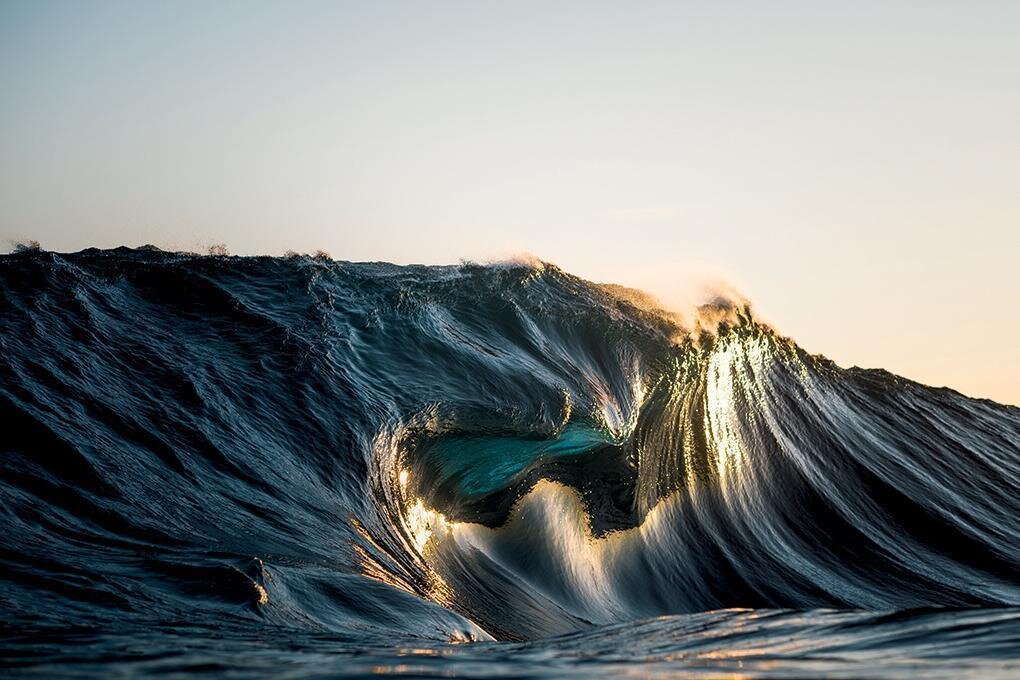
852, 168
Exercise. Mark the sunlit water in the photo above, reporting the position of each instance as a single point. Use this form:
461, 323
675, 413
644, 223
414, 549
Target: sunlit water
293, 466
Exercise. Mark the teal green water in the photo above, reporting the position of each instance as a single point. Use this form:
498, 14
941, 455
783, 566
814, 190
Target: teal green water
482, 464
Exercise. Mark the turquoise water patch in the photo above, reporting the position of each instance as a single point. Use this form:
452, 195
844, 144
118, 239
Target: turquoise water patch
481, 464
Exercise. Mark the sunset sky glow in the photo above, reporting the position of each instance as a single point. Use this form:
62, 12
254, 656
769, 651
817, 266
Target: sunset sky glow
852, 168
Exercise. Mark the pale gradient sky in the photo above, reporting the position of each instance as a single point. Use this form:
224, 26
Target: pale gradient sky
853, 168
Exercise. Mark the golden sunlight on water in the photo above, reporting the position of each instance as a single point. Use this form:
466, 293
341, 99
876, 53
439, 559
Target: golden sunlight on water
719, 414
423, 522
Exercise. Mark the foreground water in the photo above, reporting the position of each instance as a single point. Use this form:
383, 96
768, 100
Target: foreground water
293, 465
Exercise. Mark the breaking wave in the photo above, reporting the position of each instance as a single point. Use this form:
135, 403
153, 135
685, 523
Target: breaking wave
373, 455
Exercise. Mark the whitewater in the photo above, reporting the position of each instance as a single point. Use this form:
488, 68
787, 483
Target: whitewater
298, 466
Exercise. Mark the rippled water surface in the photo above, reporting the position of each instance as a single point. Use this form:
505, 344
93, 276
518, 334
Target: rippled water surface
300, 466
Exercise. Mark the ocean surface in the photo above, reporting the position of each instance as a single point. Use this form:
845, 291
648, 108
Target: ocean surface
299, 467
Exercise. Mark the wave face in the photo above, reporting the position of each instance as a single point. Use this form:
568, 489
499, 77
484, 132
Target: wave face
260, 464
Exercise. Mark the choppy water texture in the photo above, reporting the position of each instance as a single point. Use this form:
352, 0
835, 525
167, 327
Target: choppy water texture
300, 466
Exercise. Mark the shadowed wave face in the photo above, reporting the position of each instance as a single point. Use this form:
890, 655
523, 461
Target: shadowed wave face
301, 465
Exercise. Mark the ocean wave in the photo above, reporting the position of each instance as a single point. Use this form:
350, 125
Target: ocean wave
470, 452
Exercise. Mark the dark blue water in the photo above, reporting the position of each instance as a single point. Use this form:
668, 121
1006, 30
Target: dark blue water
295, 466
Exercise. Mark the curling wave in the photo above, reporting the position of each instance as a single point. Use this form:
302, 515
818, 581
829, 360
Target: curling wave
502, 452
